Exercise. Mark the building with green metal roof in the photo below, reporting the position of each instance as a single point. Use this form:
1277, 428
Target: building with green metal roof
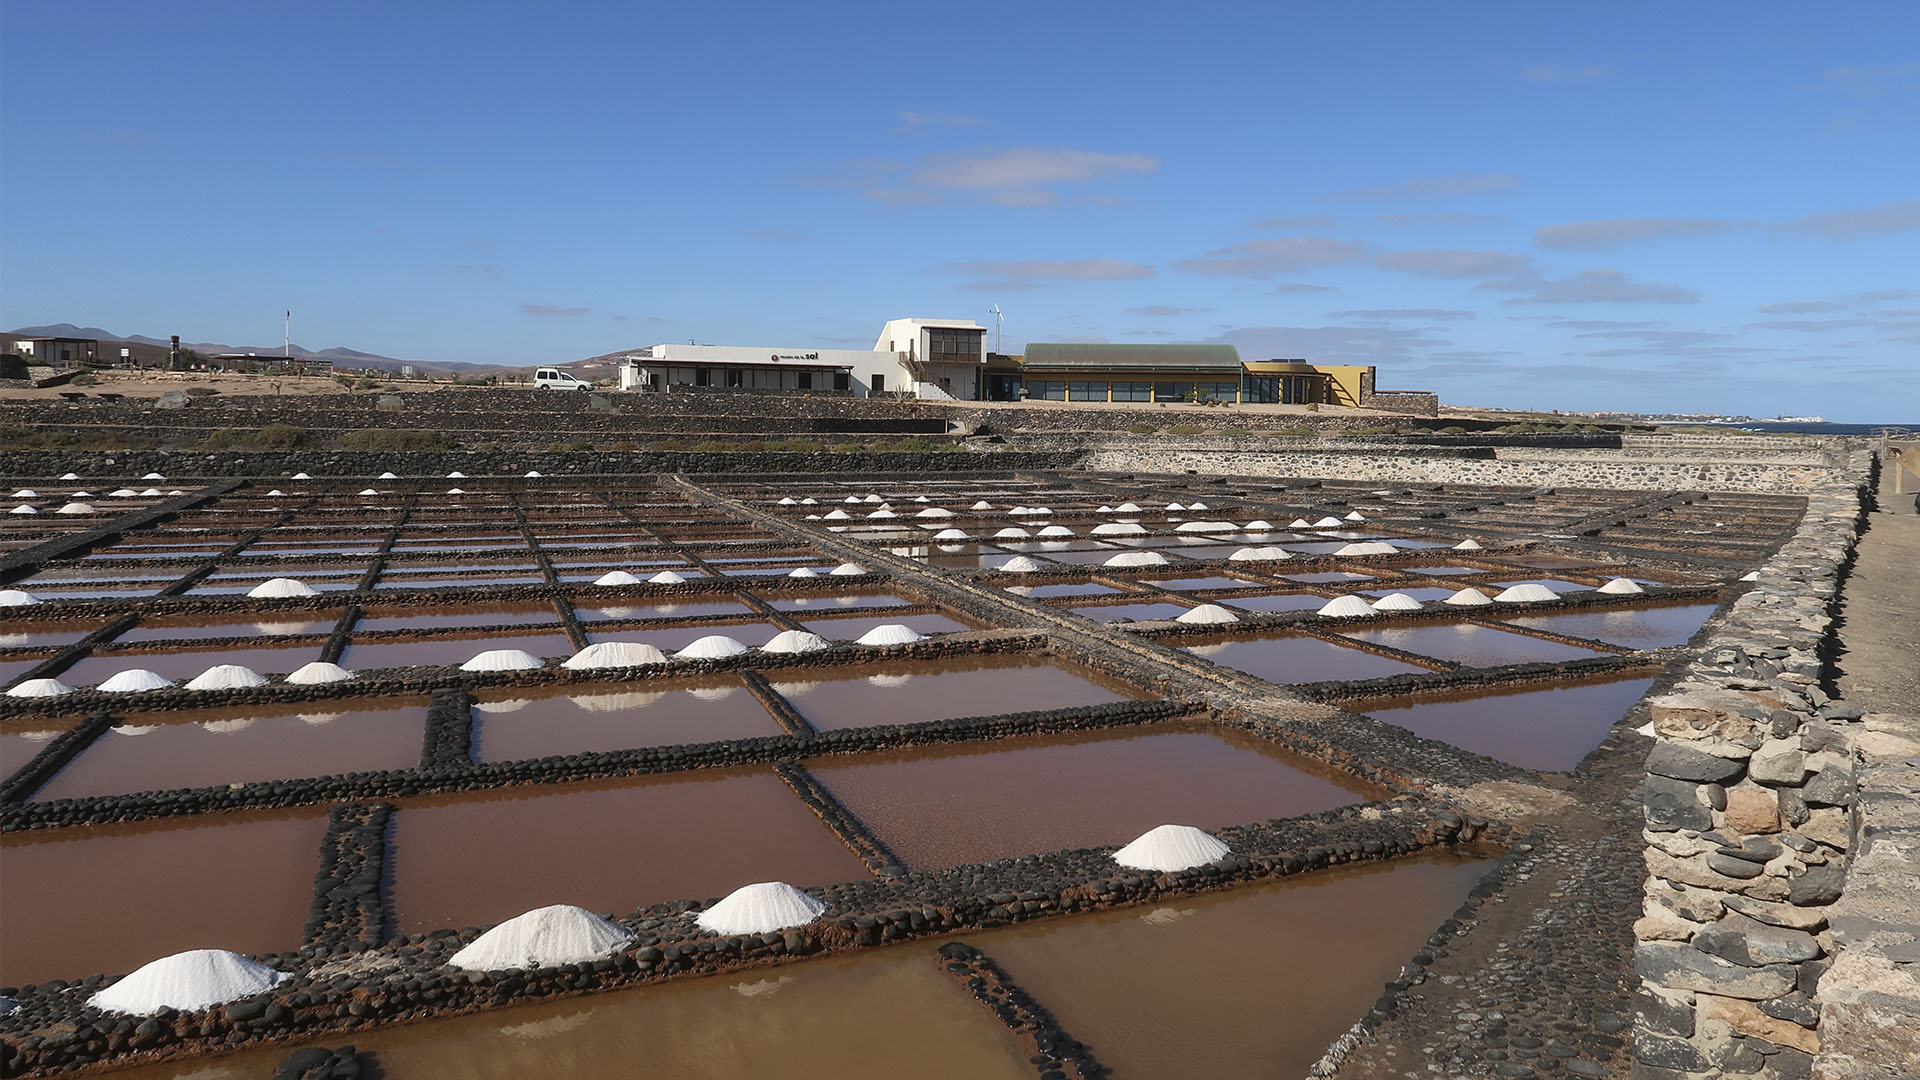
1105, 372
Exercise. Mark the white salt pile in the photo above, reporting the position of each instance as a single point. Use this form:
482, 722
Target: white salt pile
368, 491
935, 512
1299, 523
319, 672
847, 569
851, 499
786, 501
761, 909
809, 501
1103, 509
1527, 594
1055, 530
534, 473
188, 981
456, 475
70, 476
153, 476
1621, 587
883, 512
666, 577
616, 577
387, 476
1206, 526
1119, 528
795, 641
1019, 564
81, 495
1196, 506
1356, 516
803, 572
456, 491
135, 681
40, 688
543, 937
150, 492
26, 493
711, 647
1396, 602
1261, 525
1368, 548
837, 515
276, 588
981, 505
1127, 508
276, 492
1175, 506
890, 634
1171, 847
1207, 614
226, 677
17, 598
1468, 545
1012, 532
872, 498
1018, 510
1036, 511
1345, 607
23, 508
1327, 523
608, 654
921, 499
300, 476
502, 660
952, 534
1468, 598
122, 493
1138, 558
1751, 575
1259, 554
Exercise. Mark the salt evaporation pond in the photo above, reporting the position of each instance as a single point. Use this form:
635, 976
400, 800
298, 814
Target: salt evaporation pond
607, 610
109, 898
1637, 628
950, 805
1474, 646
827, 602
850, 629
520, 723
421, 652
16, 635
1135, 612
1298, 658
182, 666
672, 639
1246, 982
869, 1015
216, 747
483, 857
912, 691
448, 618
1548, 728
273, 624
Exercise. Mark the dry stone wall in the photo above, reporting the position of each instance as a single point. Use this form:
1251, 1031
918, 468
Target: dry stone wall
1748, 824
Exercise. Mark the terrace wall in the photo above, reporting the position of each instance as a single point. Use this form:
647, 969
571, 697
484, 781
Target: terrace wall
329, 464
1751, 821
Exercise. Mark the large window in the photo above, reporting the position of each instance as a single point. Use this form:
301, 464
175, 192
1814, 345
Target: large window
1172, 391
1087, 391
1046, 390
1215, 391
1260, 390
1133, 391
955, 345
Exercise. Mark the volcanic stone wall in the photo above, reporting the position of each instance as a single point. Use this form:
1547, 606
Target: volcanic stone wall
329, 464
1749, 822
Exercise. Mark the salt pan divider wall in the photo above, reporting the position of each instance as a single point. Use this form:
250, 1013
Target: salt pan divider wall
1748, 806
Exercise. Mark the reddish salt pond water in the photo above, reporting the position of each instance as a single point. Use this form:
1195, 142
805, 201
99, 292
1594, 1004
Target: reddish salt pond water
853, 628
1248, 982
952, 805
871, 1015
1474, 646
514, 724
21, 634
225, 626
367, 655
831, 601
1042, 592
19, 747
1218, 581
1278, 602
673, 638
182, 666
909, 692
447, 618
209, 747
1297, 658
1136, 612
110, 898
613, 846
1548, 728
1639, 628
13, 669
608, 610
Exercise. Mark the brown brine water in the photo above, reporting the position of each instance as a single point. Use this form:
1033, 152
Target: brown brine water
1638, 628
514, 724
1298, 658
1473, 646
109, 898
947, 806
1534, 727
912, 691
613, 846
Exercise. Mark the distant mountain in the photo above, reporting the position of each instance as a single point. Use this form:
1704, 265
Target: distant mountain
339, 354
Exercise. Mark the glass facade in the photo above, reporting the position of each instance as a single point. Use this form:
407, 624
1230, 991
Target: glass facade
957, 346
1284, 389
1046, 390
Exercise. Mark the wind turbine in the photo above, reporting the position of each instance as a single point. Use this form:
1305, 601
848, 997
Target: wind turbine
999, 319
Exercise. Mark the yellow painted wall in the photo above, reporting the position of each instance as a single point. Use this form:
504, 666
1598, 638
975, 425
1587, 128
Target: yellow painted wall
1343, 382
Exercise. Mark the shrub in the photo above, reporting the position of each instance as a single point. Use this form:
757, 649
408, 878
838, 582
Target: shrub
201, 391
396, 439
83, 379
219, 439
1144, 429
280, 437
1313, 406
795, 446
670, 444
846, 448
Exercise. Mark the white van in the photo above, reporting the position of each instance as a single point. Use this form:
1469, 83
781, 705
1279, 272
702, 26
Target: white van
554, 379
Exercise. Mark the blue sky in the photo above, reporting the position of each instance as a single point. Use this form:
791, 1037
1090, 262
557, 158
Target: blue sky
1664, 206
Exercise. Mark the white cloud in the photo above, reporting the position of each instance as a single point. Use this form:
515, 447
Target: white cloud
1603, 286
1025, 167
1403, 221
1278, 254
1291, 224
550, 311
1161, 311
1847, 225
1402, 313
916, 121
1613, 233
1457, 264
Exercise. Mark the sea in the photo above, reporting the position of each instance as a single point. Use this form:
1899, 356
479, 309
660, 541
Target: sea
1794, 428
